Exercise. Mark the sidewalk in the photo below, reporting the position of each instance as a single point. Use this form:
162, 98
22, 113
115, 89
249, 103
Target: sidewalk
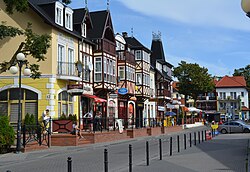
223, 153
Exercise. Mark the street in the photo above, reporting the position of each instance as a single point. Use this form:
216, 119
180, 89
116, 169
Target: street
223, 152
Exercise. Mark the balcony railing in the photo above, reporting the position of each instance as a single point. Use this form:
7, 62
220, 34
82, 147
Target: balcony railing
164, 93
66, 68
105, 45
205, 98
126, 56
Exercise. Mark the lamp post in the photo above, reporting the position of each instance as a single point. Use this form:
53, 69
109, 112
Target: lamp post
245, 5
179, 111
20, 58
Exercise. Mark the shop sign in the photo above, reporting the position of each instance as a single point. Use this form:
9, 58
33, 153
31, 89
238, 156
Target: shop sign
113, 96
123, 91
75, 86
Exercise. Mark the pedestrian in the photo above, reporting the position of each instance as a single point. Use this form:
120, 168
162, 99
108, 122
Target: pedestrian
172, 121
46, 117
89, 118
77, 130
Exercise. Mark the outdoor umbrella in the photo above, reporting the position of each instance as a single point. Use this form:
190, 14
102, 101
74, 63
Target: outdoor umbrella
170, 114
194, 109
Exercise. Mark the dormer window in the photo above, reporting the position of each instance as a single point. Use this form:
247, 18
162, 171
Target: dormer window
59, 13
68, 18
84, 30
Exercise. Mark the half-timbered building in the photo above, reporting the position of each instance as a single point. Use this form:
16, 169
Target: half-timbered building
163, 75
142, 75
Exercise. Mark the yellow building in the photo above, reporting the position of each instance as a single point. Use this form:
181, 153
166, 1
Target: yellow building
59, 72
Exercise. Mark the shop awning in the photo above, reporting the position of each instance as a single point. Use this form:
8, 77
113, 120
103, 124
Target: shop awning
96, 98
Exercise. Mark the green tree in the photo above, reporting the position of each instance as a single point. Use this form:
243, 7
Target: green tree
243, 72
193, 79
7, 134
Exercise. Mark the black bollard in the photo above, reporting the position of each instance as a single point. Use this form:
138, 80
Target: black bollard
202, 136
105, 160
130, 158
194, 138
199, 138
160, 149
170, 153
205, 135
185, 141
178, 143
190, 139
69, 164
147, 153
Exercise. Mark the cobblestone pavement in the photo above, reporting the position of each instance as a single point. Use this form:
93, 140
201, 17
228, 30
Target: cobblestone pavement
223, 153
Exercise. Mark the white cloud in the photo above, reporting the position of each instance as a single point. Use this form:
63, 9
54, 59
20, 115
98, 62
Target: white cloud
222, 13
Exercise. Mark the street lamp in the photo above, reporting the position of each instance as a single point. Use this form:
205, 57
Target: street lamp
20, 58
179, 111
245, 5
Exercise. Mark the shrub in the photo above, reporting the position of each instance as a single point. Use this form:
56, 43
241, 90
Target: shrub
29, 121
7, 134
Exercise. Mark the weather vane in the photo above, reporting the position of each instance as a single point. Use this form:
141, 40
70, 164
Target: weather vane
107, 4
86, 3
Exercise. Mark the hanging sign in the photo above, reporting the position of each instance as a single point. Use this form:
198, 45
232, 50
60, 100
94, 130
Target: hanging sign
123, 91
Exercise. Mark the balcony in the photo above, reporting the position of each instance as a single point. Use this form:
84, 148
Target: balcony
126, 56
163, 93
105, 45
205, 98
66, 69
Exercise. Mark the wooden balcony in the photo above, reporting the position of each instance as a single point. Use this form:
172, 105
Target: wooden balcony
126, 56
163, 93
106, 46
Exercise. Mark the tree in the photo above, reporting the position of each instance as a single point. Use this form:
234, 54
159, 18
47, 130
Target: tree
243, 72
34, 44
193, 79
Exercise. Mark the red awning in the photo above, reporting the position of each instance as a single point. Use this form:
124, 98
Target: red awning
96, 99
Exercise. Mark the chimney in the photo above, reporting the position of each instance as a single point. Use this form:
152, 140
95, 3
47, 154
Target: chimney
124, 34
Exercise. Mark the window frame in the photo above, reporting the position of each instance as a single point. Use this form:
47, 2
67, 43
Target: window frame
59, 16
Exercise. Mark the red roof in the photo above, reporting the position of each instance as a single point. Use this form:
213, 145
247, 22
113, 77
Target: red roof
231, 81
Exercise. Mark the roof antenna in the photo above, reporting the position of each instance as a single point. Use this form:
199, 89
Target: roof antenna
86, 3
107, 4
132, 32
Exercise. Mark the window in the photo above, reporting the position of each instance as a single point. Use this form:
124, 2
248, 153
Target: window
84, 30
98, 69
59, 13
71, 61
139, 78
242, 103
86, 70
61, 59
68, 19
65, 104
121, 72
138, 55
242, 94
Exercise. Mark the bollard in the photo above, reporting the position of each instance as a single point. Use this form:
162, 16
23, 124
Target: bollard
178, 143
194, 138
199, 139
205, 135
190, 139
160, 149
185, 141
170, 146
130, 158
202, 136
69, 164
147, 153
105, 160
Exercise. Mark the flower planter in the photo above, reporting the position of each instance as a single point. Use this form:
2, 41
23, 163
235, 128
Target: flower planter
62, 126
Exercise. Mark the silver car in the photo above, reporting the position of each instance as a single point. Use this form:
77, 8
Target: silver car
234, 127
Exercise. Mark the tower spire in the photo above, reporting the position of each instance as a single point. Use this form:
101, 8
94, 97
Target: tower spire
132, 32
108, 4
86, 3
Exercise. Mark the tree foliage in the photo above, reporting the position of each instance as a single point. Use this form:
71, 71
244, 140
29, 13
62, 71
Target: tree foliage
243, 72
193, 79
34, 44
7, 133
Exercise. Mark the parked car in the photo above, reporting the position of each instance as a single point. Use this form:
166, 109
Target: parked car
234, 126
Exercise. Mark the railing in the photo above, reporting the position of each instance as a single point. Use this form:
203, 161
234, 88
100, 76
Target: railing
205, 98
36, 133
164, 93
66, 68
111, 123
126, 56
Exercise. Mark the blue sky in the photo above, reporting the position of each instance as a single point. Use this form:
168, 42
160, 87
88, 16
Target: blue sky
215, 33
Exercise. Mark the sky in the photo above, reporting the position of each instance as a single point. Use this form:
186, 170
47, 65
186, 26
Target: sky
212, 33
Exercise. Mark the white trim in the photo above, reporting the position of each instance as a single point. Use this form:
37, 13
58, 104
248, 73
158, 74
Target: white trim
69, 11
59, 91
60, 6
25, 87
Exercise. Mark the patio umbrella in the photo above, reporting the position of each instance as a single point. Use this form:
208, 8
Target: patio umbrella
170, 114
100, 100
194, 109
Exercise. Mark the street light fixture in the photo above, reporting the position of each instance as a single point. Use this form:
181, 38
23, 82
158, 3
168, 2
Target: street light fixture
20, 59
245, 5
